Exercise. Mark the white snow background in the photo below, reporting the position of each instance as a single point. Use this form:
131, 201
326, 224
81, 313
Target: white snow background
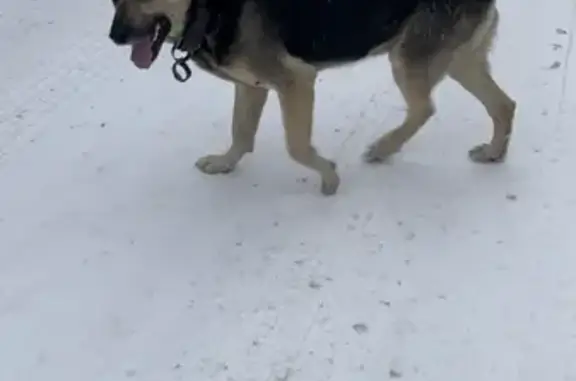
120, 261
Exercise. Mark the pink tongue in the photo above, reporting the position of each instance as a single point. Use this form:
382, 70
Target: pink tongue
142, 53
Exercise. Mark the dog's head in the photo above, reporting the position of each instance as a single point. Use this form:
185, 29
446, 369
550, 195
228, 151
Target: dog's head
145, 25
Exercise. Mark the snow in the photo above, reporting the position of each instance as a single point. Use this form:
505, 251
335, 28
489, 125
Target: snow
120, 261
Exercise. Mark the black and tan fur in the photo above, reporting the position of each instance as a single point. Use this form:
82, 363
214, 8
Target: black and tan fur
282, 45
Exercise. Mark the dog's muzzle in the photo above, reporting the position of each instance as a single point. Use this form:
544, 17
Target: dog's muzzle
121, 33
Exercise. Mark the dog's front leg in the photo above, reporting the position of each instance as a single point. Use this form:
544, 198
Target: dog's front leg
297, 104
248, 105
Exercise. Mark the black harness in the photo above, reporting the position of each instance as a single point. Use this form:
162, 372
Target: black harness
191, 41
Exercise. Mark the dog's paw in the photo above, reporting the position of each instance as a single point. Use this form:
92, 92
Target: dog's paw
330, 182
330, 186
215, 164
486, 154
380, 150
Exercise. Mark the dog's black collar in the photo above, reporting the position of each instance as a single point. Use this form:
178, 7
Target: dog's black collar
191, 40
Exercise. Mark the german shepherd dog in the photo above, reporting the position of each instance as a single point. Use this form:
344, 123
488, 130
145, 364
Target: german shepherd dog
282, 45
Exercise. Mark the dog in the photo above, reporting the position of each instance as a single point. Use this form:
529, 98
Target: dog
282, 45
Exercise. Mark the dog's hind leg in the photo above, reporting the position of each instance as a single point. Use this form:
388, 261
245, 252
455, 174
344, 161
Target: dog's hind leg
471, 69
297, 105
248, 106
416, 80
453, 39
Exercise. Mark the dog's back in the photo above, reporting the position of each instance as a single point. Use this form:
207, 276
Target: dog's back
322, 32
336, 30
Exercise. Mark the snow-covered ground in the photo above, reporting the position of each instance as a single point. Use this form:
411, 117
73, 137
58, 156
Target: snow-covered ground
120, 261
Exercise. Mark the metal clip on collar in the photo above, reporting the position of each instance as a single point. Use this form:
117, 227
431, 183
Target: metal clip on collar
180, 68
190, 41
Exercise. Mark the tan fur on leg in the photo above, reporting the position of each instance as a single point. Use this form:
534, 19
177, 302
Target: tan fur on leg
297, 103
248, 106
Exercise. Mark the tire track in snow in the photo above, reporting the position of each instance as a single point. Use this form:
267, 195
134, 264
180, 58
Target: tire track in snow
566, 62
